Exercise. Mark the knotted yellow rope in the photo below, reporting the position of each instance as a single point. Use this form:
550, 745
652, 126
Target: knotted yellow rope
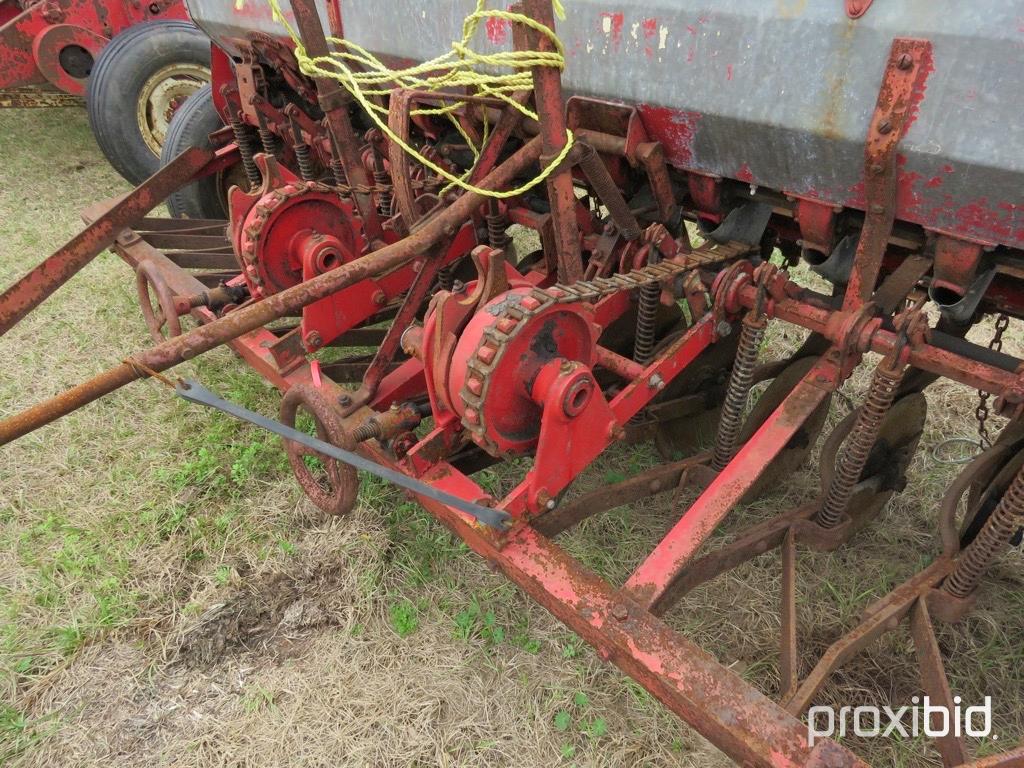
461, 67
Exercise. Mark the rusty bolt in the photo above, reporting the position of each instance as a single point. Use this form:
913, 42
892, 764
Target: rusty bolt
620, 612
905, 61
345, 400
380, 299
876, 208
544, 499
876, 169
885, 127
313, 339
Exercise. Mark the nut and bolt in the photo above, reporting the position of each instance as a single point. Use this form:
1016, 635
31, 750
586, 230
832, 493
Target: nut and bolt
905, 61
380, 299
313, 339
656, 382
723, 329
885, 127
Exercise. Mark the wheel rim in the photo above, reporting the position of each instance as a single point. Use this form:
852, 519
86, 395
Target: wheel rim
162, 95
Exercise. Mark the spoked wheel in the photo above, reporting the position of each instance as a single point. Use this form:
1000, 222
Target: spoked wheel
161, 316
885, 471
792, 457
330, 484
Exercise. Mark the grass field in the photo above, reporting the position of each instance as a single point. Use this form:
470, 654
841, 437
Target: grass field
167, 596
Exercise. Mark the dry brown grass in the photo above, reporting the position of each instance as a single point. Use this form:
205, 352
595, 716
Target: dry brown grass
167, 599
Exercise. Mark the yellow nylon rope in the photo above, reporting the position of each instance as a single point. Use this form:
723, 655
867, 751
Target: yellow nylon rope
458, 68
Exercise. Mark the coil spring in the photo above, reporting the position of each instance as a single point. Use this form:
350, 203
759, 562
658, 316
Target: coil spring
246, 149
384, 201
608, 192
445, 278
884, 386
736, 394
497, 238
267, 139
367, 430
647, 315
304, 157
338, 172
991, 541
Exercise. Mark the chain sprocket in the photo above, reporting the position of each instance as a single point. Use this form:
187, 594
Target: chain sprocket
524, 308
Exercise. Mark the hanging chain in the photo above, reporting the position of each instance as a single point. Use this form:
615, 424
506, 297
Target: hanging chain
981, 412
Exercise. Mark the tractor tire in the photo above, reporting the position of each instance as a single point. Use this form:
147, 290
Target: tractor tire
192, 125
138, 82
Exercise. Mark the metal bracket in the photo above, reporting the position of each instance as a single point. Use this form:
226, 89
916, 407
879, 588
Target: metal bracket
901, 90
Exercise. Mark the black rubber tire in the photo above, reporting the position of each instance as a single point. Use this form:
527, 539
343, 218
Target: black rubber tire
191, 126
117, 81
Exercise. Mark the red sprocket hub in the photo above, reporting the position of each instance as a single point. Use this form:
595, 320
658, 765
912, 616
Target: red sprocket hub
299, 222
290, 229
494, 379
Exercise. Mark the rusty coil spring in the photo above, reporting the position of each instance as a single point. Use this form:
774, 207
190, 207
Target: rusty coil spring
246, 149
608, 192
647, 315
994, 537
384, 197
267, 137
304, 157
740, 380
445, 278
497, 238
885, 385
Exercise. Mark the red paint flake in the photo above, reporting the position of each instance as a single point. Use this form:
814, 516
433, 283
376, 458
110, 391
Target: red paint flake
979, 218
649, 27
933, 182
924, 69
497, 30
947, 168
675, 129
745, 174
728, 71
616, 24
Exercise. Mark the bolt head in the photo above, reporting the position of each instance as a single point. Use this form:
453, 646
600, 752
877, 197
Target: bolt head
723, 328
885, 127
905, 61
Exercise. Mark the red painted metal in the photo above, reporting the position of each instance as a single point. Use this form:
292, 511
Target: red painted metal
530, 360
32, 39
655, 576
908, 67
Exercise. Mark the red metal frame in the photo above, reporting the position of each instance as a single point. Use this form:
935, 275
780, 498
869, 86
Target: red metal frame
577, 419
31, 40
